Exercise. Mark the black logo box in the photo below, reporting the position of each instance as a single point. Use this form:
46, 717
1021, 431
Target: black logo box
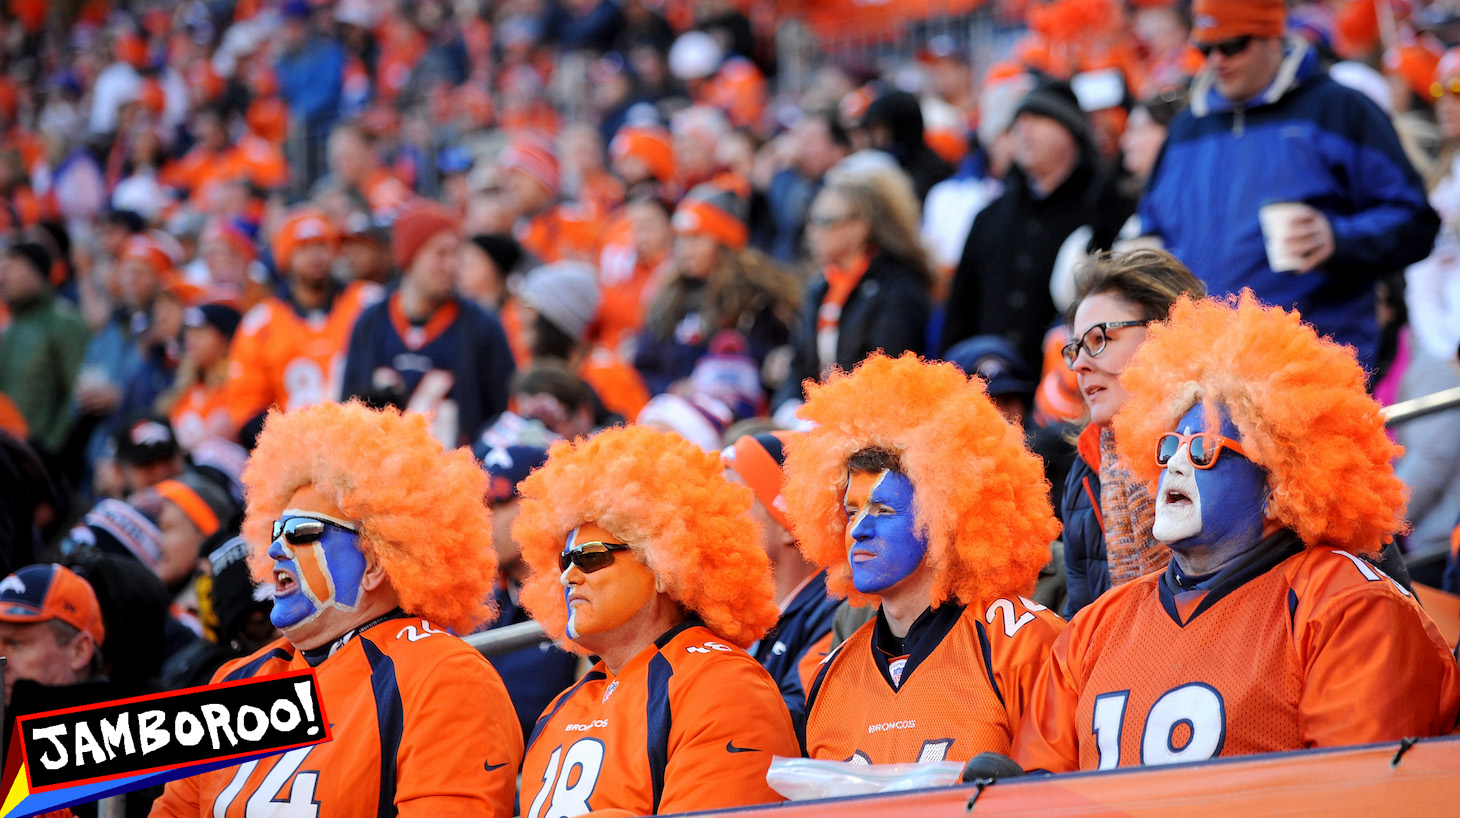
268, 714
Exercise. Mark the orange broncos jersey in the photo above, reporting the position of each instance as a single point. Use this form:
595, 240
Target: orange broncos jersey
959, 691
201, 413
280, 358
689, 724
1290, 649
422, 726
562, 232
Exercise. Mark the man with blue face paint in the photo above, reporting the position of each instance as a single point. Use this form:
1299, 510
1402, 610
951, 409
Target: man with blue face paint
377, 547
925, 503
1268, 631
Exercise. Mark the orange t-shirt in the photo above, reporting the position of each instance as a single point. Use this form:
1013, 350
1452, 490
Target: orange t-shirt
1294, 649
280, 358
960, 689
626, 284
421, 725
689, 724
202, 413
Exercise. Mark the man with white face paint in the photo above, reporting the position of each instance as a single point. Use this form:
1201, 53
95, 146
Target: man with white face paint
925, 503
1268, 631
377, 547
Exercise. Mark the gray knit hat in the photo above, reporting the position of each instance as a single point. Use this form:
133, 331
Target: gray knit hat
565, 293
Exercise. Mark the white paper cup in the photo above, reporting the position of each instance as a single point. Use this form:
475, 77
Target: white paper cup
1277, 224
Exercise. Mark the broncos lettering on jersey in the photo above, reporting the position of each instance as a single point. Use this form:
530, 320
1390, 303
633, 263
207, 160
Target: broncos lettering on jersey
955, 686
422, 726
1288, 649
689, 724
282, 358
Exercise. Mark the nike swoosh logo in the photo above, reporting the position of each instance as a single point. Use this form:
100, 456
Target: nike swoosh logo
490, 766
731, 748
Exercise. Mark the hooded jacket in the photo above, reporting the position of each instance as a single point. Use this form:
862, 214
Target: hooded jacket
1305, 138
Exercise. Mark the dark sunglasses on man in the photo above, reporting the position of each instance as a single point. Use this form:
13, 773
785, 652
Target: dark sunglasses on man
590, 556
1227, 48
301, 530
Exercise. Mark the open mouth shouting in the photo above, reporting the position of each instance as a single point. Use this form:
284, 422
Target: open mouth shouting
284, 582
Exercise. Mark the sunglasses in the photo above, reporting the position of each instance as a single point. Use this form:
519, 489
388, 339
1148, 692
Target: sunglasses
1204, 448
590, 556
1449, 86
301, 530
1093, 341
1227, 48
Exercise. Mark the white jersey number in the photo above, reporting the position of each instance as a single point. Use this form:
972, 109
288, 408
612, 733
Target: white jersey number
1196, 705
1012, 624
564, 794
264, 802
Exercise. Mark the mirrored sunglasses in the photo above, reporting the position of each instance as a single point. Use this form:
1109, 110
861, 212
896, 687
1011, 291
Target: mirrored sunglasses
300, 530
1204, 448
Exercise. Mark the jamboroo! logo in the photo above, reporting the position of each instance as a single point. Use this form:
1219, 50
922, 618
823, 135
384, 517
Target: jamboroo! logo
73, 756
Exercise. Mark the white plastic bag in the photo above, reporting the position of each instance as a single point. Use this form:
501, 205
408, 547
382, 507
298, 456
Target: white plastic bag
802, 779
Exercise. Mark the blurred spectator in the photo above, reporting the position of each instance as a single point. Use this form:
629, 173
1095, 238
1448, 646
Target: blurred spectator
551, 394
41, 347
717, 283
287, 348
534, 676
310, 71
1361, 208
874, 288
425, 349
196, 404
487, 261
1057, 193
812, 147
355, 165
145, 452
636, 258
546, 228
558, 304
894, 123
188, 509
792, 651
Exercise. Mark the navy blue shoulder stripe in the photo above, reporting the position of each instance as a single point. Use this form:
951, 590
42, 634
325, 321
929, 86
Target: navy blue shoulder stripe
390, 715
660, 721
542, 721
248, 670
988, 659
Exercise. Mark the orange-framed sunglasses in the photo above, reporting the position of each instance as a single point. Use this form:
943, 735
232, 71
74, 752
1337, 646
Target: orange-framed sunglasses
1204, 448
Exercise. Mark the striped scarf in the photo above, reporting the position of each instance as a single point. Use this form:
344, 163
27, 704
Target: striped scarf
1129, 512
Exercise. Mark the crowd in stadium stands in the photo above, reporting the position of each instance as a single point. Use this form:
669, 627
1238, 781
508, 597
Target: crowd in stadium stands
656, 225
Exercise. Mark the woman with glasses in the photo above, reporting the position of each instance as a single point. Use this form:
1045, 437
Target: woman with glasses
873, 290
1107, 515
641, 553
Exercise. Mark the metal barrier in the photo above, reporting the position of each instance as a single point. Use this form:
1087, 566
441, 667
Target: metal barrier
1421, 406
507, 639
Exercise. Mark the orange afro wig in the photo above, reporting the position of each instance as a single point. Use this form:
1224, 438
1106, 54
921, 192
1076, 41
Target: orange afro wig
1298, 401
670, 501
421, 511
982, 500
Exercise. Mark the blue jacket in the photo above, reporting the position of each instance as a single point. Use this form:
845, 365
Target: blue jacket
1306, 138
804, 623
311, 80
1087, 571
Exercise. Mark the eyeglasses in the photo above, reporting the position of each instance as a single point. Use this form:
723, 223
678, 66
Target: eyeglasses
1094, 340
301, 530
1227, 48
1204, 448
1449, 86
590, 556
814, 220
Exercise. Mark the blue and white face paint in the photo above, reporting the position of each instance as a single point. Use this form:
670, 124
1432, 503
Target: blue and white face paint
884, 545
1220, 510
314, 578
